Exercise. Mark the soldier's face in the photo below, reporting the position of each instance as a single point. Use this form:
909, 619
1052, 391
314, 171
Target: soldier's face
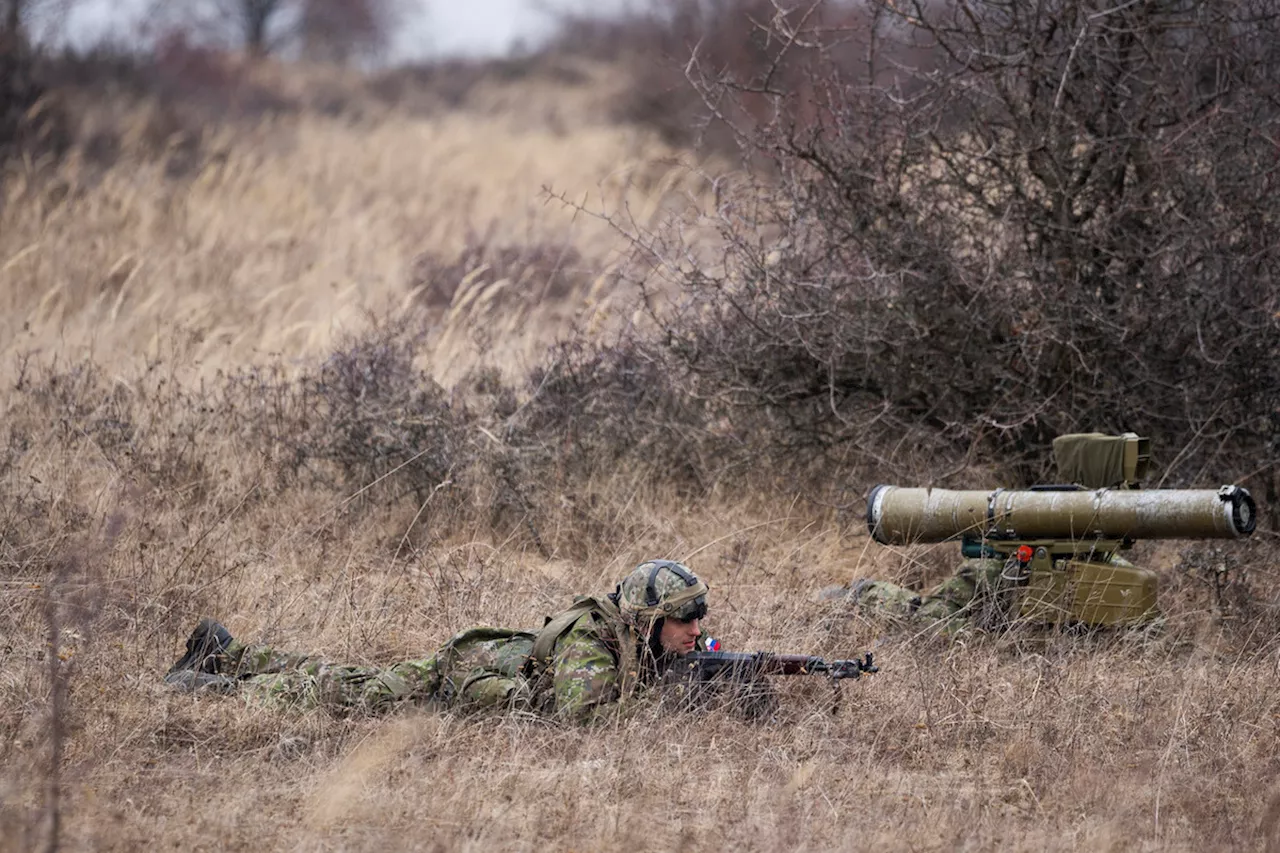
679, 636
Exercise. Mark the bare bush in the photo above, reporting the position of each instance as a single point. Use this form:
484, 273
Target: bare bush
1071, 228
448, 83
341, 30
369, 412
618, 408
368, 428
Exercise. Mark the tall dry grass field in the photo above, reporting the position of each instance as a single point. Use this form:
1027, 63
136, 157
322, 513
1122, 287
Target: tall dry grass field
292, 229
151, 325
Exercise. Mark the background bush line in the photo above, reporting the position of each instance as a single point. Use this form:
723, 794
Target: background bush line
1011, 222
1072, 228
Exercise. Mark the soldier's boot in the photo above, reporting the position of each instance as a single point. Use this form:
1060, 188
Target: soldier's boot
207, 641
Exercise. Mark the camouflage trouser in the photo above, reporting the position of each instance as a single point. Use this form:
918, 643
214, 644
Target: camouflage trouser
974, 584
478, 668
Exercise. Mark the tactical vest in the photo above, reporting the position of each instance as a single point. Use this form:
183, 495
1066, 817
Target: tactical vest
538, 666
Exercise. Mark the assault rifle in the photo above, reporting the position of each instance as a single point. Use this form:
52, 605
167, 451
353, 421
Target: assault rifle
746, 666
739, 676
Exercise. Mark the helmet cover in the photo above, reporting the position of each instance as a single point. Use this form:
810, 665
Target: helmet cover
661, 589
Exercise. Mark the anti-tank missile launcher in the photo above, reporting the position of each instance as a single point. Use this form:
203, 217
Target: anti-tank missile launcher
904, 516
1060, 544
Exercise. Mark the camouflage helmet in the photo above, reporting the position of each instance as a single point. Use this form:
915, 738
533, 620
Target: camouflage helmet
660, 589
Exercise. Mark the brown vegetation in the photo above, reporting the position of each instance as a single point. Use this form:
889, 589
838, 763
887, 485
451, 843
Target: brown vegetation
1050, 221
352, 379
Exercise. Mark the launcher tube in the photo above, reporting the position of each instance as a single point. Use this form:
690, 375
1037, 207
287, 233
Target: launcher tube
899, 515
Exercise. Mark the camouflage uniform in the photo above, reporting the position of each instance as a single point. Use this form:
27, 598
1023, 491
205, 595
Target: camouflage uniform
973, 582
979, 592
584, 659
476, 667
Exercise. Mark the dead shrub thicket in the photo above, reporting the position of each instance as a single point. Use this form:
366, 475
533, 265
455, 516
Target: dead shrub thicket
489, 273
1009, 221
369, 430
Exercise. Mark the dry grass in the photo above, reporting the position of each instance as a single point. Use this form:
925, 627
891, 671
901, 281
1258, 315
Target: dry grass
294, 229
298, 231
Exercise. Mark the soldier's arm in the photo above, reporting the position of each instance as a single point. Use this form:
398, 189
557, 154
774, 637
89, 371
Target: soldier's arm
585, 675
